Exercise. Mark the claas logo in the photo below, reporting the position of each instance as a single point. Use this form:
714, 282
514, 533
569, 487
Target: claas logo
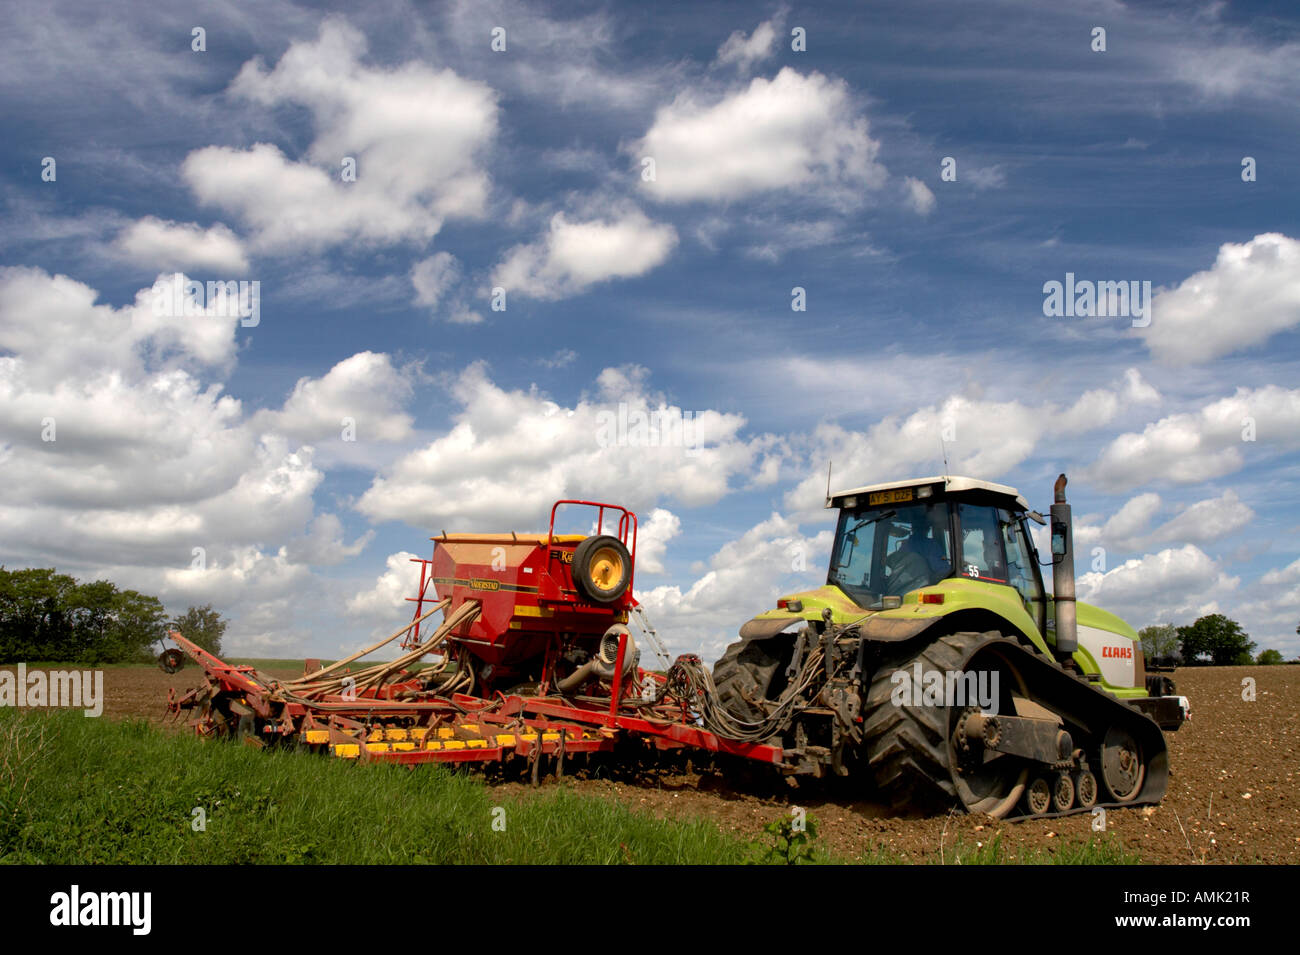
1125, 653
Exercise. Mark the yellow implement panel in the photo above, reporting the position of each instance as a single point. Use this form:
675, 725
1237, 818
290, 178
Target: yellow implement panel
453, 737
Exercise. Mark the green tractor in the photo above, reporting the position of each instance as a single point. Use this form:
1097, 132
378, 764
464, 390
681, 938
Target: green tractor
934, 662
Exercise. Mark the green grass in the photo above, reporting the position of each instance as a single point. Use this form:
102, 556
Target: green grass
95, 791
263, 663
102, 792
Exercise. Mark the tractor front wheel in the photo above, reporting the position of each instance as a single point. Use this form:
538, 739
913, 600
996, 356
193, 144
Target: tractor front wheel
749, 673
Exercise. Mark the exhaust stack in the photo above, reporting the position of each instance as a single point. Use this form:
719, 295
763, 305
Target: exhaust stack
1067, 628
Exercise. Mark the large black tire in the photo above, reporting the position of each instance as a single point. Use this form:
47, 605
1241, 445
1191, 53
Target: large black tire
747, 672
908, 748
602, 568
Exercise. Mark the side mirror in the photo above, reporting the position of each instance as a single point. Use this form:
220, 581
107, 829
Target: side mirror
1059, 531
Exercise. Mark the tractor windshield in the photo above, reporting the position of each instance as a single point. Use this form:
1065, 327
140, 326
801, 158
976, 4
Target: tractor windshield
889, 551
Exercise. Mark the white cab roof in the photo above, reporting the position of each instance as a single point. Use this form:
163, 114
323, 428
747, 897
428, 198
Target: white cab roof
952, 483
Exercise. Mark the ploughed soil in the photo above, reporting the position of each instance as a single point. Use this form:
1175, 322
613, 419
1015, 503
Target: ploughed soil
1233, 797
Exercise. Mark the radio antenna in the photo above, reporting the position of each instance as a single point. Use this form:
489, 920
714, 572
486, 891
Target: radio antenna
829, 465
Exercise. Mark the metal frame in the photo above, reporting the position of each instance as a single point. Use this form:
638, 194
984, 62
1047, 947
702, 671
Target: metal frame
400, 720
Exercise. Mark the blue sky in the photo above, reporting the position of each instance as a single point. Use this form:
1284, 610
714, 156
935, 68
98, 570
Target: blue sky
523, 169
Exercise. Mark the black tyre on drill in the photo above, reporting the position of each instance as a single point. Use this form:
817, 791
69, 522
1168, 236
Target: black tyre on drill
602, 568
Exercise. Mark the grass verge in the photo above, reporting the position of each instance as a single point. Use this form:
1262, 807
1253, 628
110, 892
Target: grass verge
75, 790
94, 791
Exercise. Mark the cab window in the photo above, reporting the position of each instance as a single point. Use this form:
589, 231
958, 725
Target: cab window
889, 551
1021, 564
982, 553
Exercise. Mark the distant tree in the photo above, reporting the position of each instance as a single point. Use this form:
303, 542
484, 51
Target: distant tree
48, 616
139, 621
92, 609
1159, 641
1270, 657
34, 620
1217, 637
204, 626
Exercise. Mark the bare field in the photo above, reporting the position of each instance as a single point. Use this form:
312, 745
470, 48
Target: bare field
1232, 795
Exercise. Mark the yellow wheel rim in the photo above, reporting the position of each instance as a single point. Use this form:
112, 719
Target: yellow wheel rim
606, 568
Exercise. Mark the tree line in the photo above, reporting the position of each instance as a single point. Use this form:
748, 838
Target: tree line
52, 617
1212, 640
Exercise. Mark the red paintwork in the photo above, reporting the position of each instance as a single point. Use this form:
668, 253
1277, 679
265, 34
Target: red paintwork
529, 609
525, 585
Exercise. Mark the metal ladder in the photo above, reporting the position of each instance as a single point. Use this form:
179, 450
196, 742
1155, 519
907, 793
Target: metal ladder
652, 636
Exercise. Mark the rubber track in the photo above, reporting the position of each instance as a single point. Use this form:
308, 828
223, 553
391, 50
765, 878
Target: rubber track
907, 747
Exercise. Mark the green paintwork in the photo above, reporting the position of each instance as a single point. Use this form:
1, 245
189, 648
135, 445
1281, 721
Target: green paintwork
1089, 616
960, 593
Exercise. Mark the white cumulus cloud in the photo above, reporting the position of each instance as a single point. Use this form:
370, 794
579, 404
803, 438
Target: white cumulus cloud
162, 244
574, 255
1176, 583
789, 132
363, 392
743, 578
385, 601
1249, 294
1196, 446
652, 539
416, 135
511, 453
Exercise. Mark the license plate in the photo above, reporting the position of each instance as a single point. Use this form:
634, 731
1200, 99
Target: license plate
890, 497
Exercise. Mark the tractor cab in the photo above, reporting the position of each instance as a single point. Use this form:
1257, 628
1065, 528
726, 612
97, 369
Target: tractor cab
900, 537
